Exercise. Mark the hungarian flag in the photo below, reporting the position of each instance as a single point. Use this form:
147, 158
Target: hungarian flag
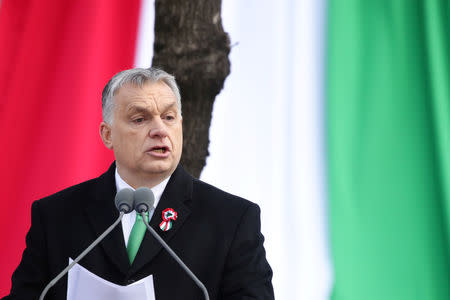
335, 119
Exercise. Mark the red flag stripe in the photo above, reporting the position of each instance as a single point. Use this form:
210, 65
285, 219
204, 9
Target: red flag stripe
55, 58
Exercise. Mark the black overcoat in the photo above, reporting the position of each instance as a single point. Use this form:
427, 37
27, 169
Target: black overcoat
216, 234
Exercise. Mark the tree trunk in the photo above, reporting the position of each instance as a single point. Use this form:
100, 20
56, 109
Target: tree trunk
191, 44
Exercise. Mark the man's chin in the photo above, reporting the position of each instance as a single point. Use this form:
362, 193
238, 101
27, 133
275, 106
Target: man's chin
158, 168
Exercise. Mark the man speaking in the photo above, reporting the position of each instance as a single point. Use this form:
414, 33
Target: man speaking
216, 234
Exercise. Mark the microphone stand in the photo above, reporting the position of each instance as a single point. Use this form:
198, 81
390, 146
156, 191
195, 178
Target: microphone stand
83, 254
178, 260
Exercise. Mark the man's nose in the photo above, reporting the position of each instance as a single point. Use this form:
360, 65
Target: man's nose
158, 129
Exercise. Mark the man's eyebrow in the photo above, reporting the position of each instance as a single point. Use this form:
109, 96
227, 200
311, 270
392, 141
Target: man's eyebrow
137, 109
169, 105
143, 109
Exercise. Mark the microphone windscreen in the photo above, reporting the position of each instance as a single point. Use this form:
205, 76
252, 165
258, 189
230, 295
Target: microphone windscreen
143, 199
124, 200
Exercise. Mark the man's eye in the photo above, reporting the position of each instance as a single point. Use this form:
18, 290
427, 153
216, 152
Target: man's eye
170, 117
138, 120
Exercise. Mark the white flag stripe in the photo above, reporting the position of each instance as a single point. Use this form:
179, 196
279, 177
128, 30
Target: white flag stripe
267, 136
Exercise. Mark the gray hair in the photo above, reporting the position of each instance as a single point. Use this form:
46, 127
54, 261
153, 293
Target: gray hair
138, 77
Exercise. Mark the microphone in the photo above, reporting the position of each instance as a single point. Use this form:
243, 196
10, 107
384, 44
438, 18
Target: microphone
124, 200
143, 202
124, 204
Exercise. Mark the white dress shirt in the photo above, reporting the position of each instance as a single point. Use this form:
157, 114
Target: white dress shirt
129, 219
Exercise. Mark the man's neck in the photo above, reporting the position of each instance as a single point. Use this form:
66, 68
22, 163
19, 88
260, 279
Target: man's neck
143, 180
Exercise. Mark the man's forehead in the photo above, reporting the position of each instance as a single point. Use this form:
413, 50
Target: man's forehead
156, 92
158, 88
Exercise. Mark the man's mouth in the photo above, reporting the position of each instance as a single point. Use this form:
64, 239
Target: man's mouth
159, 150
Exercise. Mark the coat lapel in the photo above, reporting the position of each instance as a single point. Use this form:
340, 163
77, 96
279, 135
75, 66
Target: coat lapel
176, 195
102, 213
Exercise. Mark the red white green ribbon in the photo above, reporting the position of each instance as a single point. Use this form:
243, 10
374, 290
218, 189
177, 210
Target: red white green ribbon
168, 215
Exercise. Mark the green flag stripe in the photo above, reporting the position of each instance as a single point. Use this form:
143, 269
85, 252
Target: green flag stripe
387, 140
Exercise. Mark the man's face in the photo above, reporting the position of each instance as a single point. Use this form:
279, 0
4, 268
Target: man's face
146, 134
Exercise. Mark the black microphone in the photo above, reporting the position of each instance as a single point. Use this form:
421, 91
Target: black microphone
124, 204
143, 202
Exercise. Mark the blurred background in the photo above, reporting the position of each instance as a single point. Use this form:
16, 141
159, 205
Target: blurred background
335, 119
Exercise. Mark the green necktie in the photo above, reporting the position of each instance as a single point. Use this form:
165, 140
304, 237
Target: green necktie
136, 237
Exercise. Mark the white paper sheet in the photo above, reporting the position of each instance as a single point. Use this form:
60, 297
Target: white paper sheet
85, 285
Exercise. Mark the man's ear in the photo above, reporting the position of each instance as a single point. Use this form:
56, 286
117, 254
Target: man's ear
105, 134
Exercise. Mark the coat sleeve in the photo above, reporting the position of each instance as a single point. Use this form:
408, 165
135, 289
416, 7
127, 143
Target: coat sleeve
247, 273
31, 276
